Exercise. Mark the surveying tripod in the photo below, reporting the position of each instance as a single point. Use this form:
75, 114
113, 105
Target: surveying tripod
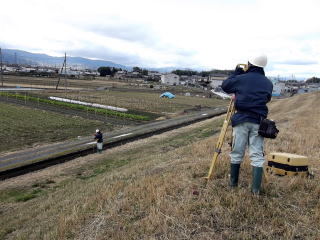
222, 135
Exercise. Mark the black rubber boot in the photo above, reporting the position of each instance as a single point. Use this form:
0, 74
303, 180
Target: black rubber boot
234, 174
256, 180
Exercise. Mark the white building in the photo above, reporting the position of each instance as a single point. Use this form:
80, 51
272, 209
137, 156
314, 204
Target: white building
216, 82
170, 79
278, 88
8, 69
27, 70
120, 74
70, 72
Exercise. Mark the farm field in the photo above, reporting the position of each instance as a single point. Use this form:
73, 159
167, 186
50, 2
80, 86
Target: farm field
90, 84
120, 93
50, 83
143, 101
144, 105
154, 189
24, 127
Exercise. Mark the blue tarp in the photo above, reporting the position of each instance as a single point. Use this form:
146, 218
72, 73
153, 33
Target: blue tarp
167, 95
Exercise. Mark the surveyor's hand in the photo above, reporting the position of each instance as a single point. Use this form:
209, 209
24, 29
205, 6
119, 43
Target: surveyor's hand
238, 70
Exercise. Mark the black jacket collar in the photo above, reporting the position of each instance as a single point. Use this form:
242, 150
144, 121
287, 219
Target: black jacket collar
256, 69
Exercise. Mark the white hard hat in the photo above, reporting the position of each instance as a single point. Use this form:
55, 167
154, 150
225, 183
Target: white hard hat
259, 60
97, 130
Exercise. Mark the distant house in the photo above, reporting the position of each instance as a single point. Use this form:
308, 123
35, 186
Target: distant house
216, 81
278, 88
9, 69
154, 75
72, 73
133, 75
27, 70
170, 79
120, 74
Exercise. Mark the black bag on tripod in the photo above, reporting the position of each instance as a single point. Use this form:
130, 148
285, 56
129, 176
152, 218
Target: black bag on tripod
268, 128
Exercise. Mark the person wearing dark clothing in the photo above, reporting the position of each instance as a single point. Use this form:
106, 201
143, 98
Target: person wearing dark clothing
252, 92
99, 138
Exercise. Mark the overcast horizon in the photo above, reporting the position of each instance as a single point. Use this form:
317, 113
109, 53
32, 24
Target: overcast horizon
200, 34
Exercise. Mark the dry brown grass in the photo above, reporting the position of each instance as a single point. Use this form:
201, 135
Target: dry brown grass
159, 192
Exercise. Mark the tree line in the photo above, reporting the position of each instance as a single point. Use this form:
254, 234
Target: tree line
313, 80
111, 71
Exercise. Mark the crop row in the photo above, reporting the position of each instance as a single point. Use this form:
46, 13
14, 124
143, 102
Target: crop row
76, 106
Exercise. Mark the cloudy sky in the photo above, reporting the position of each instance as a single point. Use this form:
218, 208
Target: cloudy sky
160, 33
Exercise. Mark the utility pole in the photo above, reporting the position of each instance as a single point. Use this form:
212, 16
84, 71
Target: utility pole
1, 73
65, 71
64, 65
15, 59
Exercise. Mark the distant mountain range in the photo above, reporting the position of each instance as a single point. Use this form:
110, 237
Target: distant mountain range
14, 56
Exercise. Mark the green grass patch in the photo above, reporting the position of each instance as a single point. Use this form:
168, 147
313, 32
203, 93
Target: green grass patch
76, 106
5, 231
19, 195
27, 196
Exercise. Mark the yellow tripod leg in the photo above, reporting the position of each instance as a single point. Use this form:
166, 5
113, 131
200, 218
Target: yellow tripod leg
222, 135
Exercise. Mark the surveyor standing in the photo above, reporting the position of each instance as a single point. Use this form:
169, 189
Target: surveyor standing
252, 92
99, 137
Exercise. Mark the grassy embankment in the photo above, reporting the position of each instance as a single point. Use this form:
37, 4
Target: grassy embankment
145, 190
22, 126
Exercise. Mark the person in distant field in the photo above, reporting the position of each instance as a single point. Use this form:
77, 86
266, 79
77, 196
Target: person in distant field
99, 137
252, 93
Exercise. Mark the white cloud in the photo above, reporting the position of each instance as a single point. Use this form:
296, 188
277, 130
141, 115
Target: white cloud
189, 33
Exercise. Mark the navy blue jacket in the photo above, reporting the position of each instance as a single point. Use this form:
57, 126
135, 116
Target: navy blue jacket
99, 137
252, 92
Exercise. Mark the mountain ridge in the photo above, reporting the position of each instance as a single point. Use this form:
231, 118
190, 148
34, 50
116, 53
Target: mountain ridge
16, 56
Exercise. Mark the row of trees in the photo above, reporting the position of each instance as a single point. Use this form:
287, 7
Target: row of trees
140, 70
104, 71
111, 71
313, 80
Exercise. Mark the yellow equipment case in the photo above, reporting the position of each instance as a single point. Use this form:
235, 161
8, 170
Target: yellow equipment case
287, 164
